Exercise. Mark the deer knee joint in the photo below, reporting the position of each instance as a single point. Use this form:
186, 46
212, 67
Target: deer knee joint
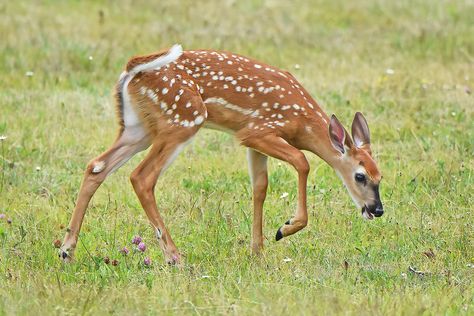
301, 164
140, 184
299, 223
304, 168
135, 179
261, 185
303, 223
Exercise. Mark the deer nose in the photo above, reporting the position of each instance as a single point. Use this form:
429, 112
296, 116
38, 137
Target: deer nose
378, 211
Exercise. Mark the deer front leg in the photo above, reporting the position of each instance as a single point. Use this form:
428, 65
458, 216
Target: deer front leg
259, 177
300, 219
277, 147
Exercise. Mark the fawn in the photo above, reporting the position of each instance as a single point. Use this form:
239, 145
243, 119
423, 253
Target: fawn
163, 99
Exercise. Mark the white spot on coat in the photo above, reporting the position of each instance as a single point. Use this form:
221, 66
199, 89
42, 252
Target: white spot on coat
199, 119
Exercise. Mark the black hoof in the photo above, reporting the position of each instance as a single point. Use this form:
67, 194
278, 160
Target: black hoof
172, 263
279, 235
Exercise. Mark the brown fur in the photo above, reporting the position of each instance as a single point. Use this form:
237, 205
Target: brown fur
369, 164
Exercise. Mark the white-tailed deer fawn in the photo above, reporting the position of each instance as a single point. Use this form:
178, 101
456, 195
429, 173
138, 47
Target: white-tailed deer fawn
163, 99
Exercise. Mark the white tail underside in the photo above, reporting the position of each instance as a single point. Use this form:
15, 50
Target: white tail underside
130, 118
173, 54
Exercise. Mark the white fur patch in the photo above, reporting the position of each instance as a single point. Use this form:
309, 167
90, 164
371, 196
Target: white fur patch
175, 154
174, 53
354, 199
158, 233
229, 106
98, 167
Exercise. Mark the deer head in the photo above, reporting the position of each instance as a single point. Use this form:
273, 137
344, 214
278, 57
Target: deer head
356, 167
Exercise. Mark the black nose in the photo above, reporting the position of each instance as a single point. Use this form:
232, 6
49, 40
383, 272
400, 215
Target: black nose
378, 211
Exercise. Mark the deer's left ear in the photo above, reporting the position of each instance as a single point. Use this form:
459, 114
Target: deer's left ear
360, 131
338, 135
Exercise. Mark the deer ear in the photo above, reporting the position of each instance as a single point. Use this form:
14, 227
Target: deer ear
360, 130
338, 135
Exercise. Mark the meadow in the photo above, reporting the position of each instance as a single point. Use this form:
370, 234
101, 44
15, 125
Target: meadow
407, 65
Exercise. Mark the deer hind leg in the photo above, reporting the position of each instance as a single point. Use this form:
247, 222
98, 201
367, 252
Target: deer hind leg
144, 178
131, 141
259, 177
277, 147
183, 113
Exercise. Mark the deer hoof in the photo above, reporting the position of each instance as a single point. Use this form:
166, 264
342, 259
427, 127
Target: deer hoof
174, 260
65, 255
279, 234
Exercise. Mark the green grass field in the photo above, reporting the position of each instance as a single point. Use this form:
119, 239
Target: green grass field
59, 61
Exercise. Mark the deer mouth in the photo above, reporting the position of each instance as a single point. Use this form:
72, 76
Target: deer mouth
367, 214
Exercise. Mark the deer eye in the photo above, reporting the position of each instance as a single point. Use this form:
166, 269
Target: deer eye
360, 177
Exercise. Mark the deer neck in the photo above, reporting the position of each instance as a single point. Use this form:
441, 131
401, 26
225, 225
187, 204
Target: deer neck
317, 140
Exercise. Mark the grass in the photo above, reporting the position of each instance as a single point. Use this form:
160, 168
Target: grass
421, 119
